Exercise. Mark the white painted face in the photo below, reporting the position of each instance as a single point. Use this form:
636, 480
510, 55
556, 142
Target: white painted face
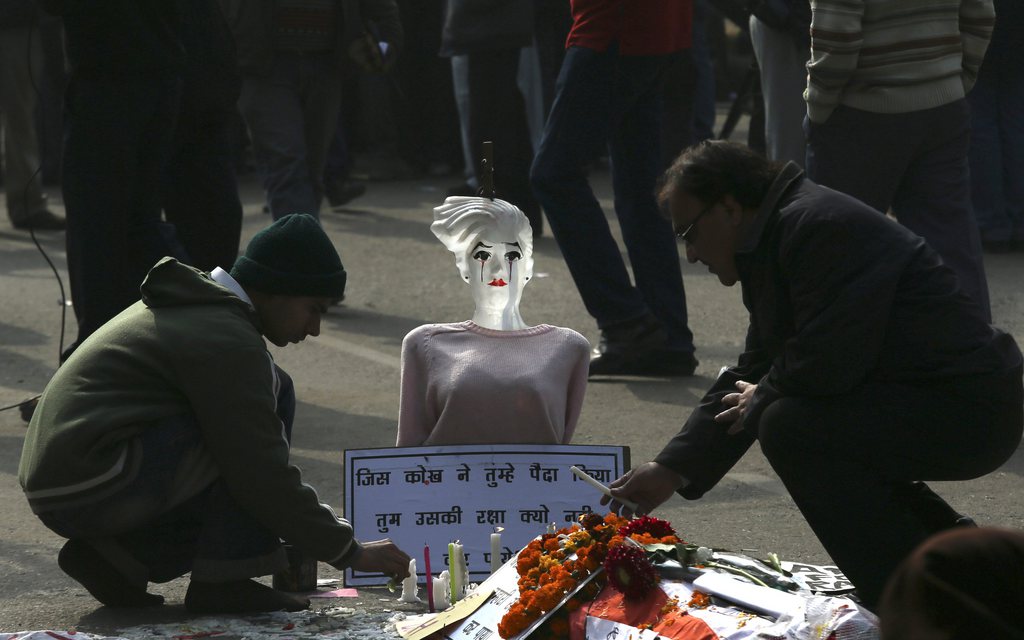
493, 247
496, 273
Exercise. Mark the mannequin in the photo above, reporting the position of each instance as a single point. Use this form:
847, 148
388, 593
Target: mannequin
494, 378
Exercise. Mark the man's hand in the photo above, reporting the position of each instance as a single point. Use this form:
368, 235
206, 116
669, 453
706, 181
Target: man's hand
366, 53
737, 403
648, 485
385, 557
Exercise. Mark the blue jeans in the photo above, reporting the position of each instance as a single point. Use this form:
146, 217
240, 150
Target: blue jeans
602, 100
997, 138
151, 537
914, 162
292, 115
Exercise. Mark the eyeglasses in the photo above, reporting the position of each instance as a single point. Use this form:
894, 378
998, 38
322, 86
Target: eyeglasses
689, 234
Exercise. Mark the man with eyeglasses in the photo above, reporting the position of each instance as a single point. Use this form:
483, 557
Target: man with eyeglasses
866, 369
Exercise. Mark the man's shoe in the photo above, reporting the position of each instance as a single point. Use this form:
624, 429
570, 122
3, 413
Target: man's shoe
341, 192
639, 348
239, 596
997, 246
42, 220
661, 362
82, 562
965, 521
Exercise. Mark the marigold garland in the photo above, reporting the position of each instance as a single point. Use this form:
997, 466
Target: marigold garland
553, 565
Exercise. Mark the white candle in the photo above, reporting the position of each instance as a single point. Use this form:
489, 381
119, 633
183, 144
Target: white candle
585, 477
409, 587
496, 549
440, 587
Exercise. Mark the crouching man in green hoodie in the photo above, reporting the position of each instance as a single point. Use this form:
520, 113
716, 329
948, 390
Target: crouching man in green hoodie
161, 446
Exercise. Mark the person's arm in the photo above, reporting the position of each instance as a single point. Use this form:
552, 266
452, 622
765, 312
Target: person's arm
703, 451
836, 40
842, 275
233, 394
414, 423
977, 19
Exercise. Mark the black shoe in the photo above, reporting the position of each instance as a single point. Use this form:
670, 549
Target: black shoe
341, 192
82, 562
42, 220
639, 348
28, 409
997, 246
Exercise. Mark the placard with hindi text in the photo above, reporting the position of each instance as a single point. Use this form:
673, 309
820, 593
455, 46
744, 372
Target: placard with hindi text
430, 496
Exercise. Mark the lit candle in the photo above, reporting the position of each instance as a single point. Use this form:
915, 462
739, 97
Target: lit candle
409, 587
496, 549
428, 584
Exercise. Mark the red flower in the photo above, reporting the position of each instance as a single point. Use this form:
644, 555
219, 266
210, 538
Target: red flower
630, 572
652, 526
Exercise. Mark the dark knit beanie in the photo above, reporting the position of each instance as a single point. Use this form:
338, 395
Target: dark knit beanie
292, 257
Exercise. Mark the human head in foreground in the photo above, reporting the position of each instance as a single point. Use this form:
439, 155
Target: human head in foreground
711, 192
493, 246
958, 585
292, 273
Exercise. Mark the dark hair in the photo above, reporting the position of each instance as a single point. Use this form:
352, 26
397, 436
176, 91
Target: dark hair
712, 169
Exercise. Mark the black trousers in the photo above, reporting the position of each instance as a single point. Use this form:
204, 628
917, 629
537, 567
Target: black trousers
200, 192
497, 113
854, 464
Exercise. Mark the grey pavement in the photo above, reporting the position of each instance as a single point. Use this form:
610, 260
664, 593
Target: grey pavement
347, 382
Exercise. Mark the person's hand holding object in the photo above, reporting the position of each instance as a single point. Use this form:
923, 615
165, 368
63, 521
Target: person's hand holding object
384, 557
648, 485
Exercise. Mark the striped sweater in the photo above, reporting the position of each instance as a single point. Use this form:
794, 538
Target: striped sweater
894, 56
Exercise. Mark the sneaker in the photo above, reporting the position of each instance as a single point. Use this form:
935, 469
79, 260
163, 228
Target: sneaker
639, 348
41, 220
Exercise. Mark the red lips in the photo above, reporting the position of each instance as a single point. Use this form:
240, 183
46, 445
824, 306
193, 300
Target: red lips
500, 282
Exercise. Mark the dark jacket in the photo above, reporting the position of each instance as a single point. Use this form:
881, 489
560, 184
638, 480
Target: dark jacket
481, 25
82, 442
838, 296
252, 24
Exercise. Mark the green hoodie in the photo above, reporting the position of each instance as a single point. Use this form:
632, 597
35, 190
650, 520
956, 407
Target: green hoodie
190, 345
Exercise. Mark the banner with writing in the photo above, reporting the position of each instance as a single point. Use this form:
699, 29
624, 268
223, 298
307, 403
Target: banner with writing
492, 498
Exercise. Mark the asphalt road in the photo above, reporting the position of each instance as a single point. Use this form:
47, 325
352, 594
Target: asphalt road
347, 382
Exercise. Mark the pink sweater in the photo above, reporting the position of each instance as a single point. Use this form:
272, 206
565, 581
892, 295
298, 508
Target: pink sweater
464, 384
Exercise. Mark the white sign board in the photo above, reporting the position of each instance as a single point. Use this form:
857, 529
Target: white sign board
429, 496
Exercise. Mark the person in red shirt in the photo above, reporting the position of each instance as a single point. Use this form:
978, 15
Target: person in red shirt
608, 95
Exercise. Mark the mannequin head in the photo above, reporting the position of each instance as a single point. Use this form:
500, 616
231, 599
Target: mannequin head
493, 246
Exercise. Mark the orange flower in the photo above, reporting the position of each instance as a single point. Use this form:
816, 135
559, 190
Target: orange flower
699, 600
546, 575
